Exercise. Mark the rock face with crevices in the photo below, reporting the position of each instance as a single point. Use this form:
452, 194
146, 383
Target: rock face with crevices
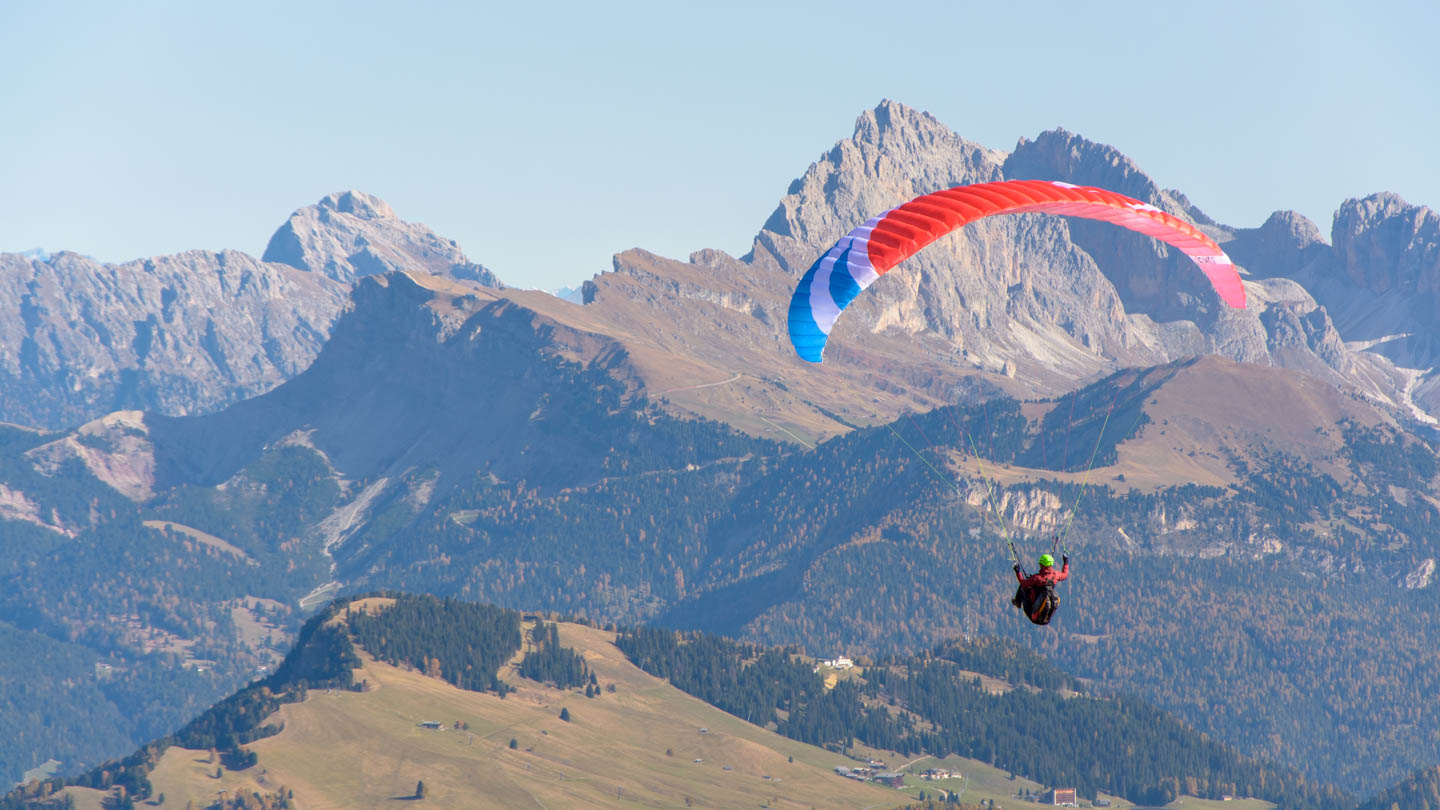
1384, 243
174, 334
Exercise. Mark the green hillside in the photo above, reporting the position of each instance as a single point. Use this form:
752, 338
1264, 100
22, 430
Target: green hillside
384, 692
932, 706
304, 738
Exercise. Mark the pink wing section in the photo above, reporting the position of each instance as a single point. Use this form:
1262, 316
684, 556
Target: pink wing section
907, 229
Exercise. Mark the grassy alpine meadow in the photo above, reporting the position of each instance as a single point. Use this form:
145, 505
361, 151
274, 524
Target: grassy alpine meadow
645, 744
358, 750
1192, 803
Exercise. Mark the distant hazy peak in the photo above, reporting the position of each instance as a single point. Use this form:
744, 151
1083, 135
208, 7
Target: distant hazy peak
350, 234
175, 334
1286, 245
1293, 227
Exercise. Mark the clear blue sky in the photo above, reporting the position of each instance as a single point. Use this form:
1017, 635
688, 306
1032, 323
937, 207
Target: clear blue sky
546, 137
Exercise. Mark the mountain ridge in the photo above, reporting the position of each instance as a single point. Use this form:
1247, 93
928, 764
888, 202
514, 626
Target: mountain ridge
198, 330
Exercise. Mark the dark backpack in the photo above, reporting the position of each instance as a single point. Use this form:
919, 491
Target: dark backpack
1041, 603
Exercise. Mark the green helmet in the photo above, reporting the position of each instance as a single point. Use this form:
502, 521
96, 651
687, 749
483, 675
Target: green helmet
1046, 561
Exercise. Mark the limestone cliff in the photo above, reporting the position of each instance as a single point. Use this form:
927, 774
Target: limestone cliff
174, 334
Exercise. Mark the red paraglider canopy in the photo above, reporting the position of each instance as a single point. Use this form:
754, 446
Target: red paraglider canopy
879, 244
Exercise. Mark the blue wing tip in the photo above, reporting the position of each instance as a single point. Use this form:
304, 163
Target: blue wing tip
810, 354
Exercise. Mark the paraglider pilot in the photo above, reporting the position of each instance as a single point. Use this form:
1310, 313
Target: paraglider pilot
1036, 594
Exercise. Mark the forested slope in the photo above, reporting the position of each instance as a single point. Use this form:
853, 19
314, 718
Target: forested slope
930, 705
461, 642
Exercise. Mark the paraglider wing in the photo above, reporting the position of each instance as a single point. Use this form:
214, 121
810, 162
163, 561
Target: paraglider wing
865, 253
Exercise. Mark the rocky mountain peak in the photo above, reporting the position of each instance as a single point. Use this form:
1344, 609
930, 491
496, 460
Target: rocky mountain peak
1060, 155
894, 127
350, 234
200, 329
357, 203
1292, 227
896, 153
1285, 245
1384, 243
1378, 206
1048, 300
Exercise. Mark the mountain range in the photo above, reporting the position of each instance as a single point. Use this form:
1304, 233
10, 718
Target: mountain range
1041, 300
1250, 493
